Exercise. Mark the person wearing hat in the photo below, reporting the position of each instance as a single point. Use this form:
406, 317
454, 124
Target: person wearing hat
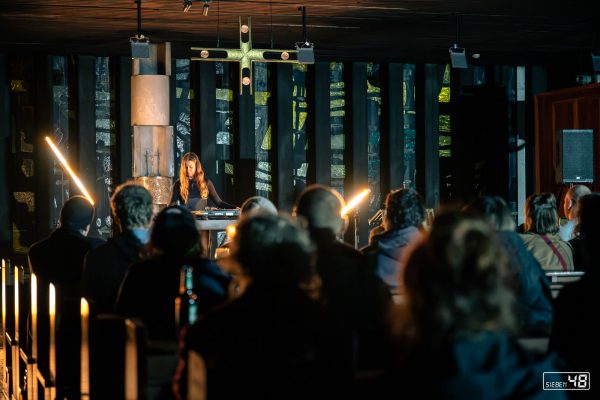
59, 258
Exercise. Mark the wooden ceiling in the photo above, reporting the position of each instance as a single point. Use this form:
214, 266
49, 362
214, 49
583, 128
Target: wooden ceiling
401, 30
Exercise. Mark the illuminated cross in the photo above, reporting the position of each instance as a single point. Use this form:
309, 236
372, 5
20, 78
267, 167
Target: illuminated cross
245, 55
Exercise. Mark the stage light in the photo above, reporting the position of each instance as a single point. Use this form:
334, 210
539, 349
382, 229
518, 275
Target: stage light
187, 4
355, 201
66, 166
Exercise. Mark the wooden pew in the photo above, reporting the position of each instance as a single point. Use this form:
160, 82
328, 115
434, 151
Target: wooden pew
10, 348
45, 374
7, 327
558, 279
102, 354
26, 363
149, 365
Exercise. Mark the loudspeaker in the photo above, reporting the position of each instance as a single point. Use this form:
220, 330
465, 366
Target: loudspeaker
458, 57
575, 156
306, 55
140, 49
596, 62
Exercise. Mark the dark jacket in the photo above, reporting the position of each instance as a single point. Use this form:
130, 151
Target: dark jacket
486, 365
534, 298
575, 333
150, 287
268, 345
105, 267
389, 249
59, 258
195, 201
356, 297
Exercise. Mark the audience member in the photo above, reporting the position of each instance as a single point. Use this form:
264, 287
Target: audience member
541, 234
274, 340
455, 328
404, 215
574, 335
567, 231
354, 294
150, 286
58, 259
106, 265
257, 203
534, 299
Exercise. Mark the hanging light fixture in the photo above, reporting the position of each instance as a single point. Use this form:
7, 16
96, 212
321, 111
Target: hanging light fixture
458, 56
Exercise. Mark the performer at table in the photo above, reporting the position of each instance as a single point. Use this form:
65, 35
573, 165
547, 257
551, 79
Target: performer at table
193, 189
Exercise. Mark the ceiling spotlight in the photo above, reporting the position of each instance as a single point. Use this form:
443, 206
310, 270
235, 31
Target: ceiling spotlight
205, 7
187, 4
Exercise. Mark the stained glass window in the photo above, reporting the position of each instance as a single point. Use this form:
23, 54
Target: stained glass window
409, 127
183, 95
105, 147
445, 136
224, 128
337, 114
373, 129
59, 193
299, 106
262, 130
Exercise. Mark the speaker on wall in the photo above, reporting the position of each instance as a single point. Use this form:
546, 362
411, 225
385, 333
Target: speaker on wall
575, 156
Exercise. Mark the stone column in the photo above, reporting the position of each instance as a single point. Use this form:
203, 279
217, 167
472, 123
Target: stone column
153, 164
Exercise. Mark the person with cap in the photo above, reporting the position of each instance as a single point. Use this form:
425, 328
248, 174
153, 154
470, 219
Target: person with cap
59, 258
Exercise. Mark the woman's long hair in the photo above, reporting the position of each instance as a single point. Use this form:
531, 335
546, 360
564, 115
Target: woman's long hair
198, 177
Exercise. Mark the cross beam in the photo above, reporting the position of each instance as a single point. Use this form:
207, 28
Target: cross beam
245, 55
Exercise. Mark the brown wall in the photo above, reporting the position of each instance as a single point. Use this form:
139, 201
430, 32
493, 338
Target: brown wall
574, 108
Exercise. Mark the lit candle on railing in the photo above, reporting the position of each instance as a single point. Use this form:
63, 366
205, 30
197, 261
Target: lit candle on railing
66, 166
34, 313
52, 313
85, 349
16, 269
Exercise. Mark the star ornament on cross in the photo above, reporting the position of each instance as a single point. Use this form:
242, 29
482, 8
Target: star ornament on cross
245, 55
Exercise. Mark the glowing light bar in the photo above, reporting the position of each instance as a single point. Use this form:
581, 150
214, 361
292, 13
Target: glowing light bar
66, 166
355, 201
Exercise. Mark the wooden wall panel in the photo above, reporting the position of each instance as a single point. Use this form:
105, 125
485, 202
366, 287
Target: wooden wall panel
574, 108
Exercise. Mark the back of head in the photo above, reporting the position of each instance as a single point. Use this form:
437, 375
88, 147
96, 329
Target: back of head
174, 232
456, 280
76, 214
258, 204
589, 219
495, 210
131, 205
404, 208
322, 208
541, 216
273, 250
572, 197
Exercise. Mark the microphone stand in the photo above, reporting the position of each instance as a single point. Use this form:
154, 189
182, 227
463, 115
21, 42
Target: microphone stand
356, 217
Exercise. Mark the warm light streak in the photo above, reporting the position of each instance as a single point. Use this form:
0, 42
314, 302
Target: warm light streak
65, 164
355, 201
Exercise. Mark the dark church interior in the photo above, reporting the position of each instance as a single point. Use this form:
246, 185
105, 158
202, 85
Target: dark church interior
208, 199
